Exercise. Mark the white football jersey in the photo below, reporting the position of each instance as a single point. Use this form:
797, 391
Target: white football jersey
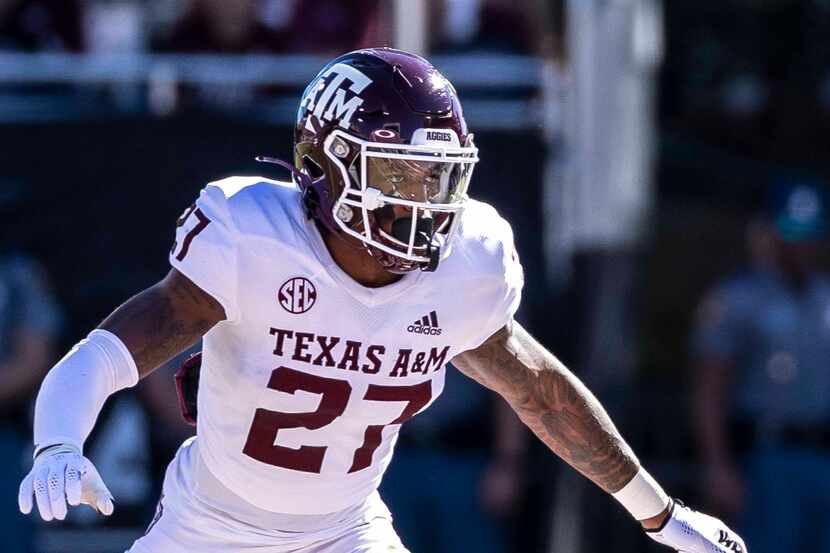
304, 387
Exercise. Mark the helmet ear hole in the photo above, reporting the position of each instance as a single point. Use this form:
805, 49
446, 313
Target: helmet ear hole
313, 168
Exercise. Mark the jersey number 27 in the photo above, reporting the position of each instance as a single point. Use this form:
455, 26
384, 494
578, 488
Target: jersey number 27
262, 437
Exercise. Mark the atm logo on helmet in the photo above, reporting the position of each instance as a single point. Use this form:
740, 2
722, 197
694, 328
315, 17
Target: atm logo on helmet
326, 99
428, 324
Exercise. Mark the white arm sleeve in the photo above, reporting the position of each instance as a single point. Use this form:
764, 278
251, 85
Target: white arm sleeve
75, 389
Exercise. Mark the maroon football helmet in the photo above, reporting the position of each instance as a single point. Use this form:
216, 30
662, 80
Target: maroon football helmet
383, 156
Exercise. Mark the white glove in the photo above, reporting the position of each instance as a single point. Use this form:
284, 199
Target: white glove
688, 531
60, 474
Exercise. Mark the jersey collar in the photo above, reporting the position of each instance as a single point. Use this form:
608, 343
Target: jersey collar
371, 297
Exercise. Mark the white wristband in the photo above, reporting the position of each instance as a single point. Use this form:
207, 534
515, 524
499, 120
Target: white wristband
642, 496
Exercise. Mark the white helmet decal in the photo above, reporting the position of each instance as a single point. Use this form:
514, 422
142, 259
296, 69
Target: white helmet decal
327, 98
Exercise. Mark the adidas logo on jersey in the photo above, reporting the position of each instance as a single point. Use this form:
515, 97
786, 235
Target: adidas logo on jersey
428, 324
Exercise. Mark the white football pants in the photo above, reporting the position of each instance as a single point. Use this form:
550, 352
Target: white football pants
197, 514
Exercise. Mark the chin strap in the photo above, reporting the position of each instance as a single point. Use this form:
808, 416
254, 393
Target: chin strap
295, 173
434, 253
302, 180
424, 237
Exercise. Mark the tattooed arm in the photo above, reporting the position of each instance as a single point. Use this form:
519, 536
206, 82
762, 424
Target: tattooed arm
163, 320
555, 405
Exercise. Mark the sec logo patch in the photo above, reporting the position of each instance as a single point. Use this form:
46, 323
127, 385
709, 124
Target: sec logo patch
297, 295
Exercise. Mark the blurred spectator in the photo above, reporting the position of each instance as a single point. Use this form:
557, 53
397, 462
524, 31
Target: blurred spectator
40, 25
746, 75
762, 348
332, 27
490, 25
327, 27
114, 27
456, 476
29, 323
219, 26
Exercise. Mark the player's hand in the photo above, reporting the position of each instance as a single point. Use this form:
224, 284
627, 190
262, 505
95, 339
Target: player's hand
60, 474
688, 531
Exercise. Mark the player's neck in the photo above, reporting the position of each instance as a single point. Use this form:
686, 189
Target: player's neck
357, 263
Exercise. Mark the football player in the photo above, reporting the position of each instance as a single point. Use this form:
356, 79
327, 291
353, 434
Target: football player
329, 307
